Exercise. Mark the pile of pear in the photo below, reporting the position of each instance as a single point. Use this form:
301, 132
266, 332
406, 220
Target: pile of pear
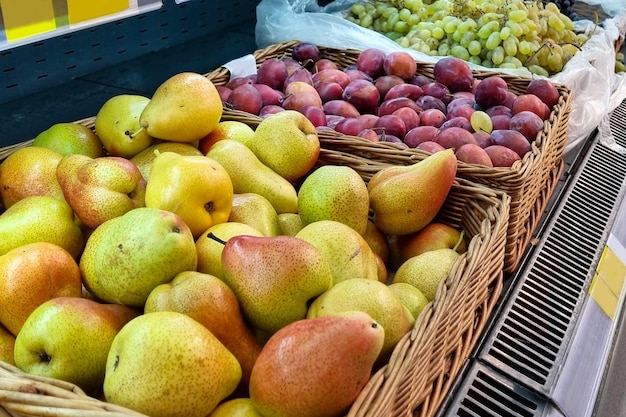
177, 264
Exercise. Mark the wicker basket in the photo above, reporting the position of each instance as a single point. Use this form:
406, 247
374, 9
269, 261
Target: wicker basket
424, 363
529, 183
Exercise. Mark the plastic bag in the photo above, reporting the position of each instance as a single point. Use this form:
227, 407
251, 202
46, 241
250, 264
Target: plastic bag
596, 89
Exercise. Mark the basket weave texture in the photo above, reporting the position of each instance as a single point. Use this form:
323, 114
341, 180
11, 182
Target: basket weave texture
530, 182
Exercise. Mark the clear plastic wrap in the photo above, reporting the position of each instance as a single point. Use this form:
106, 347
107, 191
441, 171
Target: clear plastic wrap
596, 88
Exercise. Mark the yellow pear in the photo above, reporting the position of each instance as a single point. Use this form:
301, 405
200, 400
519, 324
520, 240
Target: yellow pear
250, 175
257, 211
196, 188
408, 200
227, 129
289, 223
334, 192
29, 171
145, 158
68, 138
348, 254
210, 250
377, 241
184, 108
237, 407
117, 122
427, 270
40, 219
369, 296
166, 364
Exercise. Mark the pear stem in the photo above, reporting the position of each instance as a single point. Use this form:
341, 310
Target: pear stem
458, 242
135, 133
215, 238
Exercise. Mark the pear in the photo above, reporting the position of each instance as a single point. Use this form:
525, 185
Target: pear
412, 298
236, 407
346, 251
167, 364
408, 200
227, 129
69, 338
427, 270
316, 367
68, 138
7, 346
287, 142
40, 219
196, 188
184, 108
289, 223
99, 189
334, 192
117, 121
126, 257
250, 175
274, 277
212, 303
29, 171
210, 250
377, 240
255, 210
372, 297
145, 158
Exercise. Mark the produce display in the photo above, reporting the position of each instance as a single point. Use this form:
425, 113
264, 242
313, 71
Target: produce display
382, 98
209, 266
533, 34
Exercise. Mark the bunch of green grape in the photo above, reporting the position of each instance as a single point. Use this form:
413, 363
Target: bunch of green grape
490, 33
620, 62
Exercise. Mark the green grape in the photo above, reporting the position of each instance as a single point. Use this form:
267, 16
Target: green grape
511, 60
481, 122
438, 33
423, 34
554, 61
497, 56
517, 15
413, 5
569, 25
486, 30
467, 26
456, 36
493, 41
475, 60
552, 7
459, 52
524, 47
467, 38
450, 27
357, 9
555, 23
404, 42
443, 49
505, 33
366, 21
486, 63
401, 27
413, 19
404, 14
510, 46
539, 70
432, 43
474, 48
516, 29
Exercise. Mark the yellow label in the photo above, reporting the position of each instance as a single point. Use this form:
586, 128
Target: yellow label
82, 10
608, 282
26, 18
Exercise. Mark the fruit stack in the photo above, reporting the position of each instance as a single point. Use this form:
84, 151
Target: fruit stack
169, 259
357, 117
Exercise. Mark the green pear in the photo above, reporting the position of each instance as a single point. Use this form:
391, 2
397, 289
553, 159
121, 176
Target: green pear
274, 277
347, 252
126, 257
212, 303
411, 197
70, 138
99, 189
116, 122
236, 407
166, 364
210, 250
40, 219
316, 367
250, 175
287, 142
412, 298
184, 108
255, 210
289, 223
69, 338
334, 192
427, 270
372, 297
